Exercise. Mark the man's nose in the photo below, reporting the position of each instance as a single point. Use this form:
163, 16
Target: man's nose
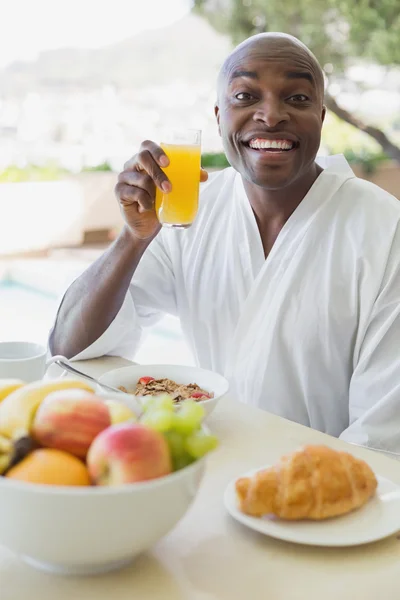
271, 112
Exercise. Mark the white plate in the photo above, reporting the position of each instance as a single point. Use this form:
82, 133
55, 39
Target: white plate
378, 519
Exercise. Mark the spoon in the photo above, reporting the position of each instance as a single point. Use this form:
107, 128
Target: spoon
128, 399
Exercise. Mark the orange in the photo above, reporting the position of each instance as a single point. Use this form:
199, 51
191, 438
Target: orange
50, 466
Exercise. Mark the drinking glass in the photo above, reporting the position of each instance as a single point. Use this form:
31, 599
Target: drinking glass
178, 208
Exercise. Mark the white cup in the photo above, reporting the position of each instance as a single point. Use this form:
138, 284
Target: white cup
23, 360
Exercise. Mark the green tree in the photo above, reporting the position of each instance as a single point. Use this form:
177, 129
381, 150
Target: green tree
338, 32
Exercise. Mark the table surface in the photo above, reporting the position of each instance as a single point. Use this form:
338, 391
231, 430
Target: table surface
208, 556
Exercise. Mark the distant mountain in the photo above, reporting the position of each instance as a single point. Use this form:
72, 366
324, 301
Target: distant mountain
189, 50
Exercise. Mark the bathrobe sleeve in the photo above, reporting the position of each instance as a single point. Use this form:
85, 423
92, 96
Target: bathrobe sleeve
374, 395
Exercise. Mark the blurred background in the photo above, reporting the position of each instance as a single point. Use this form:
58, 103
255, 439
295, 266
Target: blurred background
83, 83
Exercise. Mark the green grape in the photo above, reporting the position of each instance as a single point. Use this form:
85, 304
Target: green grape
181, 461
151, 403
176, 443
164, 401
147, 403
200, 443
189, 417
158, 419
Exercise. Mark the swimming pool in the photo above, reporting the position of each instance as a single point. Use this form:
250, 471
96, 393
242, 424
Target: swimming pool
27, 314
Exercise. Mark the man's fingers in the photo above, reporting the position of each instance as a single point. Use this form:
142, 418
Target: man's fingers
139, 180
150, 158
146, 162
156, 152
128, 195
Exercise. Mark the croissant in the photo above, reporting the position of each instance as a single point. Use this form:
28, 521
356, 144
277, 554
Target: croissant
315, 482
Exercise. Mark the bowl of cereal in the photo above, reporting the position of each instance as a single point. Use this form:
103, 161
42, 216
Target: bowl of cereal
179, 382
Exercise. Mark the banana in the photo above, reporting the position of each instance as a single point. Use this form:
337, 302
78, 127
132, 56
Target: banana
9, 385
5, 445
4, 463
13, 451
6, 452
18, 409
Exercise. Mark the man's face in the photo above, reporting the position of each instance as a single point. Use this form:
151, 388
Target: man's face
270, 114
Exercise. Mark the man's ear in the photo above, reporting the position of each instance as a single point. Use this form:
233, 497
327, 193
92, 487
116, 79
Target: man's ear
216, 112
323, 113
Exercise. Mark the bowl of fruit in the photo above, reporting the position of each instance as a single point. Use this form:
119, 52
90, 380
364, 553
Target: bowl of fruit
86, 484
180, 382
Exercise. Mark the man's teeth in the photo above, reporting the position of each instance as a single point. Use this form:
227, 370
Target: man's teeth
266, 144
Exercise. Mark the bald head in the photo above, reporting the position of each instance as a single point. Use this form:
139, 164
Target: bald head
271, 85
272, 46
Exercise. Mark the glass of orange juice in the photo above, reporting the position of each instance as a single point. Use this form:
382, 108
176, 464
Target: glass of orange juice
178, 208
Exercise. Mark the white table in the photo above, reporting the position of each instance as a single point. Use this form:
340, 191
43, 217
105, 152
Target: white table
208, 556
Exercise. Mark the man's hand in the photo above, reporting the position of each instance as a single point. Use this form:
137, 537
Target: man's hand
136, 189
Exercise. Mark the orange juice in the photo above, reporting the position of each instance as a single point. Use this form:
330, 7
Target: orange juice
179, 207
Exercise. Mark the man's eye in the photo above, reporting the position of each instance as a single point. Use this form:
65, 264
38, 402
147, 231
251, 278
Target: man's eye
243, 96
299, 98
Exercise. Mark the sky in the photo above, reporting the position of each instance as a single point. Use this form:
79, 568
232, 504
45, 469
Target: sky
27, 27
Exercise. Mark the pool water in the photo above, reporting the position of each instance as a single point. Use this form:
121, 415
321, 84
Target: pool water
25, 313
28, 314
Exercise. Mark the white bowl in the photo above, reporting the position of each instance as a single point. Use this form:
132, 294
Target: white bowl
207, 380
81, 530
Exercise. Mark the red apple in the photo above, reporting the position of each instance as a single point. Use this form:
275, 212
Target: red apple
127, 453
70, 420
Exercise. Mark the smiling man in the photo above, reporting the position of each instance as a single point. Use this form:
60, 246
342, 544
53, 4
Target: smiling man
288, 282
270, 113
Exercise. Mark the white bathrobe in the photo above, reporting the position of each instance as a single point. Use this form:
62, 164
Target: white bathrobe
312, 333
